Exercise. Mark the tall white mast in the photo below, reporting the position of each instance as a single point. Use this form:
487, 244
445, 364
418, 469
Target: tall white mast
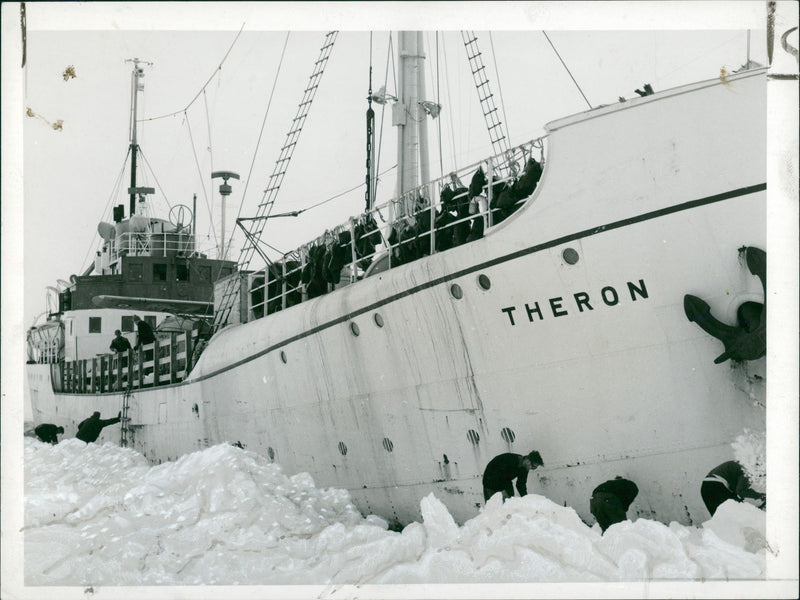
409, 117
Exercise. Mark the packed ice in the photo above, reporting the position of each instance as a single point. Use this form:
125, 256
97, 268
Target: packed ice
102, 515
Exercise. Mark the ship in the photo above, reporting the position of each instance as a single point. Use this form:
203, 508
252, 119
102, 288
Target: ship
596, 294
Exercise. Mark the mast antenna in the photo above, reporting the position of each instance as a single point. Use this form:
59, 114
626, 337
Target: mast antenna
224, 192
137, 85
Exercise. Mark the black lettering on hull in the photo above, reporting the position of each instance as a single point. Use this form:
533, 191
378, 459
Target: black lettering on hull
582, 301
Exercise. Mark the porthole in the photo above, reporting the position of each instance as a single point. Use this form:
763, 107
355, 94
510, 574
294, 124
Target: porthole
283, 357
271, 453
342, 448
507, 434
455, 291
473, 437
354, 329
484, 282
388, 445
570, 256
378, 320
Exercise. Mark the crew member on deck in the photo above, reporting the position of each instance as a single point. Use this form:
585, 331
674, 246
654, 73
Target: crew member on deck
120, 344
89, 429
144, 333
610, 501
728, 481
504, 468
48, 433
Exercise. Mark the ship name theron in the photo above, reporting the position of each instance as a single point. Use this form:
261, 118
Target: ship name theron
560, 307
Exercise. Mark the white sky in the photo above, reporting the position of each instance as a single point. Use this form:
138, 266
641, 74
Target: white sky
70, 175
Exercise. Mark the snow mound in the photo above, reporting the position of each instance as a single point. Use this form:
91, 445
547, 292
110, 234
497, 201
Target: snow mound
100, 515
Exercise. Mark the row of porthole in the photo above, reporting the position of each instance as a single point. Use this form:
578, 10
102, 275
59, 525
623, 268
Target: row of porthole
473, 436
569, 255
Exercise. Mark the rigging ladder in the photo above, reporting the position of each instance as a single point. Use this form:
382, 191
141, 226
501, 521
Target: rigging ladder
254, 227
497, 133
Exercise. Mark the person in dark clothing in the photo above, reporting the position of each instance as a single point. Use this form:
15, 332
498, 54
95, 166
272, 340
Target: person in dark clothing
610, 501
48, 433
504, 468
144, 333
119, 343
89, 429
728, 481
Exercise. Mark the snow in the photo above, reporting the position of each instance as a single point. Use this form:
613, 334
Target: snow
750, 448
100, 515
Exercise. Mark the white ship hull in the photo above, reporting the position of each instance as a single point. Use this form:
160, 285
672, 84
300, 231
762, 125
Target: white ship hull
593, 364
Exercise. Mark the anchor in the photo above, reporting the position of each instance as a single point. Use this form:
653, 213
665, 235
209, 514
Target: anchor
748, 339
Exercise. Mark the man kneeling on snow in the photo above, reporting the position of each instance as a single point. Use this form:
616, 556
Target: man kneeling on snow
504, 468
610, 501
728, 481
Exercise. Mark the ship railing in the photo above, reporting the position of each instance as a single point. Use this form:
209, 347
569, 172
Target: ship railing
419, 223
166, 360
151, 244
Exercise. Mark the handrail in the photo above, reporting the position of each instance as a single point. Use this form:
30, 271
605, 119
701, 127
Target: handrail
162, 362
426, 229
151, 244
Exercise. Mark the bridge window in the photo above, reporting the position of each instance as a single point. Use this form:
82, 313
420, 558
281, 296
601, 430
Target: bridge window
134, 271
181, 272
151, 320
95, 324
127, 323
159, 272
205, 273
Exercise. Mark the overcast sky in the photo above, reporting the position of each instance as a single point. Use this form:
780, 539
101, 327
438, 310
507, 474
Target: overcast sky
72, 176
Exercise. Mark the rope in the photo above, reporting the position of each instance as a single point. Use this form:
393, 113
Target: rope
567, 68
202, 89
499, 87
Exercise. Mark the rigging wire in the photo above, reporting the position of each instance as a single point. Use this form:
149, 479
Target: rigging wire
260, 134
449, 102
340, 194
439, 102
202, 89
208, 127
499, 87
163, 193
114, 192
383, 115
202, 182
567, 68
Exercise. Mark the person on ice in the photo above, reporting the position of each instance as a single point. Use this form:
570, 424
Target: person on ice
89, 429
48, 433
728, 481
610, 501
504, 468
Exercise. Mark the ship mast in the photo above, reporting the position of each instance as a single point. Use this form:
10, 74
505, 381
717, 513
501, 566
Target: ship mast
409, 117
136, 86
